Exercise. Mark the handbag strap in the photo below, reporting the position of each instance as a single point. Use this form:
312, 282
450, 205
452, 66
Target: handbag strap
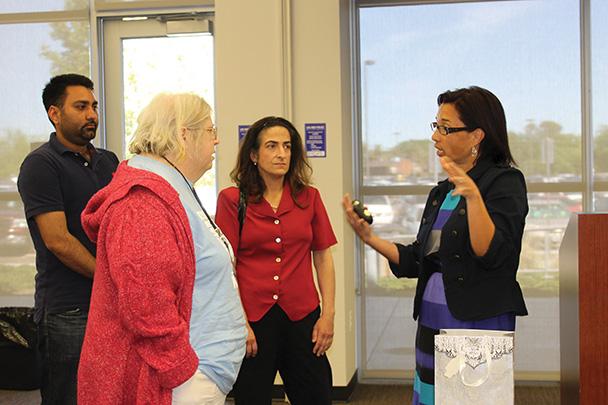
242, 210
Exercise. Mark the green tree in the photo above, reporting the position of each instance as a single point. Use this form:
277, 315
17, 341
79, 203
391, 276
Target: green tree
600, 150
416, 150
531, 148
74, 39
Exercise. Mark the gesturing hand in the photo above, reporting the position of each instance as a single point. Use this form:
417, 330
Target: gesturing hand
463, 184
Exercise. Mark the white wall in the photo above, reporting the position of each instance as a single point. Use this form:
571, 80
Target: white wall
291, 58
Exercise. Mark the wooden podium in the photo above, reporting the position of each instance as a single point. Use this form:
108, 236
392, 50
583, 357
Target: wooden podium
583, 294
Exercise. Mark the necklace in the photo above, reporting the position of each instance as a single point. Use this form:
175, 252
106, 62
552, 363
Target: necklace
216, 229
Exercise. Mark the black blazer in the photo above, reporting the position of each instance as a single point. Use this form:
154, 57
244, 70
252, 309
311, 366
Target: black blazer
475, 287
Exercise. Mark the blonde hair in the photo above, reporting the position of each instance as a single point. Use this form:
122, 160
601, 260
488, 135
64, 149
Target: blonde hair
160, 122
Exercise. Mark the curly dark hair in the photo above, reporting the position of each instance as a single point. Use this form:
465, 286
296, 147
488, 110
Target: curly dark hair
246, 175
480, 108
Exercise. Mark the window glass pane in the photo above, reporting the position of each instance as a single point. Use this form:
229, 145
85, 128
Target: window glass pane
538, 276
29, 6
601, 201
545, 225
186, 66
410, 54
599, 67
16, 250
389, 337
32, 53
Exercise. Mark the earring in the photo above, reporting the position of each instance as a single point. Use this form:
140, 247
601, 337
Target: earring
255, 163
474, 151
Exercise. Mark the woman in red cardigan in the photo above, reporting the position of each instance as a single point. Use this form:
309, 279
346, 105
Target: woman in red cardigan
282, 221
166, 325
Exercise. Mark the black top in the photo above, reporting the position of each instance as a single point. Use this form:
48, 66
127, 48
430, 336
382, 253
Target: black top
53, 178
475, 287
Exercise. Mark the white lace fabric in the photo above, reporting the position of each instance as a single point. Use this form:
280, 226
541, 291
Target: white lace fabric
474, 369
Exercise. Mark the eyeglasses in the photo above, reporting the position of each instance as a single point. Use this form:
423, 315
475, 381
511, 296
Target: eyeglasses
443, 130
212, 131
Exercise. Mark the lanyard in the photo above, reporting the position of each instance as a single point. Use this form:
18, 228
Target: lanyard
218, 231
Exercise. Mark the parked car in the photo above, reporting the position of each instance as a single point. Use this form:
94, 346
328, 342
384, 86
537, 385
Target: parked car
381, 209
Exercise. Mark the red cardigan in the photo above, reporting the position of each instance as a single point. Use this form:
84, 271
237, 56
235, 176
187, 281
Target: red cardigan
136, 347
274, 264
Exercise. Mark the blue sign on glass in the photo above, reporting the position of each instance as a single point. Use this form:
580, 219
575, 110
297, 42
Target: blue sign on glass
243, 131
315, 140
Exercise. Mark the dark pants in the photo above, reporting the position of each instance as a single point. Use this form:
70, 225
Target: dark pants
60, 340
285, 346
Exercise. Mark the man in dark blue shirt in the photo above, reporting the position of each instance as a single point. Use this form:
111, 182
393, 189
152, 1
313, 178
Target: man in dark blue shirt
56, 182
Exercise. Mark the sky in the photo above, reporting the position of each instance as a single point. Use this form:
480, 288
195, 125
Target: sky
526, 52
24, 74
24, 71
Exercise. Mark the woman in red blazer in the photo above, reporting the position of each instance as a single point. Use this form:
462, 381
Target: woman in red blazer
283, 220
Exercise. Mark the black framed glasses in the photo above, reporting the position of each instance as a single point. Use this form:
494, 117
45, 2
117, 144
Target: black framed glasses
443, 130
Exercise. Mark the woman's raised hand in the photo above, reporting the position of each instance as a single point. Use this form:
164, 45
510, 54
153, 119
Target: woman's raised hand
463, 184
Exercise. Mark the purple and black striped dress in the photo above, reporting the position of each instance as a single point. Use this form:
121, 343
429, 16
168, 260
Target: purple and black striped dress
435, 315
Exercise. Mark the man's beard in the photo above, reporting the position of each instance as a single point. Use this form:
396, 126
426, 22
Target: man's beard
83, 136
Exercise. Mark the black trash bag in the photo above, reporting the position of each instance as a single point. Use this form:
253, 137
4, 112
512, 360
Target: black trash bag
17, 326
20, 366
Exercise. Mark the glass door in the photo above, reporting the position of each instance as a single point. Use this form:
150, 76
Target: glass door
143, 56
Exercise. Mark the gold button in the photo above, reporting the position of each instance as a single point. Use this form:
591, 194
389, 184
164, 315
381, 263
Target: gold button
275, 297
278, 260
276, 278
278, 240
276, 221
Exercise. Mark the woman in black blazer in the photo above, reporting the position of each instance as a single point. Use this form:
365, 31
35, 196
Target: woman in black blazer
466, 253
